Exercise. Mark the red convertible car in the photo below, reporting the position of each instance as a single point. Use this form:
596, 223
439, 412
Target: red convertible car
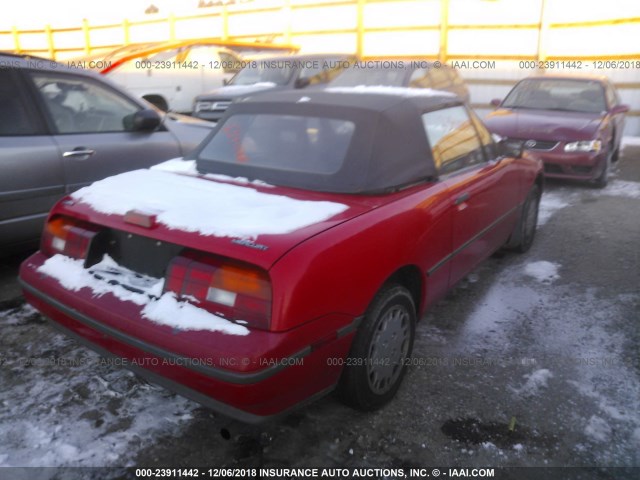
292, 253
573, 123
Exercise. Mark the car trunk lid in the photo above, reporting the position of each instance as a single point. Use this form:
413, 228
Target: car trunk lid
159, 232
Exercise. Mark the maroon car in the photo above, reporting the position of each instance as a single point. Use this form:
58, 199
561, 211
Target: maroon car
572, 123
294, 251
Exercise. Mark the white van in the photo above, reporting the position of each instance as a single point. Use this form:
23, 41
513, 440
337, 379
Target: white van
172, 78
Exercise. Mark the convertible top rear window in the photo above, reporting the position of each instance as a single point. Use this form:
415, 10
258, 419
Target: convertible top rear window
284, 142
362, 141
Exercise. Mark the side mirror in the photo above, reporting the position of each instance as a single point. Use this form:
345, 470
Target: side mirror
225, 81
619, 109
510, 148
144, 120
302, 82
496, 102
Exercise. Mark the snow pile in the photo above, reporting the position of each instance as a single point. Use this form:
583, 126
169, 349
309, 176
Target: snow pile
177, 165
549, 204
542, 271
387, 90
535, 381
206, 207
189, 167
630, 141
622, 188
598, 429
73, 276
166, 310
240, 89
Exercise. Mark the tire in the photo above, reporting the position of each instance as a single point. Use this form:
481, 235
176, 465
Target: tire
380, 351
525, 230
616, 155
603, 178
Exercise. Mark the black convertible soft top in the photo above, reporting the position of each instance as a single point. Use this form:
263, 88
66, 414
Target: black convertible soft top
387, 150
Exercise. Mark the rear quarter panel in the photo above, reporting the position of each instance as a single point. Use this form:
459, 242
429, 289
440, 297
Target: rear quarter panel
341, 269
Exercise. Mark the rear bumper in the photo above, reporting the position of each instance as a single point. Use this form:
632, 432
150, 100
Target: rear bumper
250, 378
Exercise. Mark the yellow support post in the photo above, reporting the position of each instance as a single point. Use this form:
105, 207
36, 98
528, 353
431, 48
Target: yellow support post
286, 10
360, 29
87, 36
542, 31
172, 26
16, 39
225, 22
444, 30
49, 33
125, 28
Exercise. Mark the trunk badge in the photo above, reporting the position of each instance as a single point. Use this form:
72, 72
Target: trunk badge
245, 242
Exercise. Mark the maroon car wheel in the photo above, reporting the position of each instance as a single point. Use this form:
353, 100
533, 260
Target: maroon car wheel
380, 350
603, 178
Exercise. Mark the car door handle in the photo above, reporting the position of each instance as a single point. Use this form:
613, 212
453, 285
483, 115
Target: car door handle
78, 153
462, 198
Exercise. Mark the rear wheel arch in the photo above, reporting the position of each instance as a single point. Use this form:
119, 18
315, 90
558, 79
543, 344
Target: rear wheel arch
412, 279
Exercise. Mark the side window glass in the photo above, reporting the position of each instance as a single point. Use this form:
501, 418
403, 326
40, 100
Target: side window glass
455, 77
338, 68
454, 142
315, 73
14, 119
485, 136
419, 78
230, 63
79, 105
439, 78
612, 98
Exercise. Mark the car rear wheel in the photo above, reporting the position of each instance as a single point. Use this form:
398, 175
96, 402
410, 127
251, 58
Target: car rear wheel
525, 230
377, 362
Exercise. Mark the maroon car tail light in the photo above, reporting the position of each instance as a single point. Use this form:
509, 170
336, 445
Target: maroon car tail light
236, 290
68, 236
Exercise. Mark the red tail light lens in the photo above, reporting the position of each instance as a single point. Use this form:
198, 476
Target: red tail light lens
235, 290
67, 236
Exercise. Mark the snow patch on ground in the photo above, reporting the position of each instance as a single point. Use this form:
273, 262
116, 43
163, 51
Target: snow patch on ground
166, 310
598, 429
543, 271
550, 203
570, 331
622, 188
65, 406
206, 207
630, 141
535, 381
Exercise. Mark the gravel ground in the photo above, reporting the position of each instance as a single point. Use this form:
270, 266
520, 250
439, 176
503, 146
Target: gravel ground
531, 361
